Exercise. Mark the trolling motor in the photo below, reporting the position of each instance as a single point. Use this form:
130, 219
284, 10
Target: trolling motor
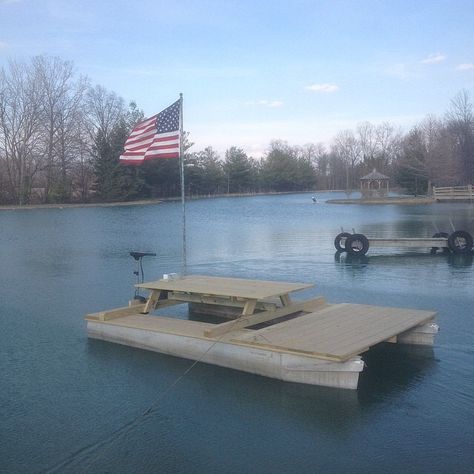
138, 272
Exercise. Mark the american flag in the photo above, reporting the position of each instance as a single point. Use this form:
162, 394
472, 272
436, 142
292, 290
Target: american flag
156, 137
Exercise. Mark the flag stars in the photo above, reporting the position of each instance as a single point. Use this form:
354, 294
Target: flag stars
168, 119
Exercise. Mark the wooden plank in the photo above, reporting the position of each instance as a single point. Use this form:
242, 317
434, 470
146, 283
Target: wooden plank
367, 329
409, 242
180, 297
164, 303
362, 331
257, 318
354, 332
170, 325
218, 286
117, 312
338, 331
293, 350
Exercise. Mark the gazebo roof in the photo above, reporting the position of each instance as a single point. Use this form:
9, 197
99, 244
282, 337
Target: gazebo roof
374, 175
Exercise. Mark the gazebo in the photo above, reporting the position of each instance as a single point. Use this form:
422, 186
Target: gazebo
374, 185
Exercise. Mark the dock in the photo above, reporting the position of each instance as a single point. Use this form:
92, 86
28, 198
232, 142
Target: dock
309, 341
458, 242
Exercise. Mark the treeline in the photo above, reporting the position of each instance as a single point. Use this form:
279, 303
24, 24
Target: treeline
61, 137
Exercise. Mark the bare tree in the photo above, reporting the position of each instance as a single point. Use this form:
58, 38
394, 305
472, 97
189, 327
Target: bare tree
379, 145
82, 171
337, 172
367, 136
104, 110
442, 168
388, 144
20, 128
460, 122
425, 157
347, 148
317, 155
62, 107
108, 129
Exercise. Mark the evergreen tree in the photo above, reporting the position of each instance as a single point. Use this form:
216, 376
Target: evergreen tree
107, 169
280, 168
238, 170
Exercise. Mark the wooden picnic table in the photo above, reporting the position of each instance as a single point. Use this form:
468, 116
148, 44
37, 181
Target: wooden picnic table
218, 290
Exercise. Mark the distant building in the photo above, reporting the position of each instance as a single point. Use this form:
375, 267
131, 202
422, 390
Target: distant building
374, 185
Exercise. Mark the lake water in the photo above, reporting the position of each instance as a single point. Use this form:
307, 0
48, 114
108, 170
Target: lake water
69, 404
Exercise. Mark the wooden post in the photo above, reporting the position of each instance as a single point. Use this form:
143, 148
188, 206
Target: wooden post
285, 300
249, 307
257, 318
152, 300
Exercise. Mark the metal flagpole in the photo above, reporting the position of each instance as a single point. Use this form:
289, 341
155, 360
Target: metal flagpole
181, 160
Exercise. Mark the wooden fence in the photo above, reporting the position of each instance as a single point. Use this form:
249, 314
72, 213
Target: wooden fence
453, 193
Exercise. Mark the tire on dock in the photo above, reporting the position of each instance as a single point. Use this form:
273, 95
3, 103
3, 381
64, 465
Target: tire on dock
439, 235
460, 241
340, 241
357, 244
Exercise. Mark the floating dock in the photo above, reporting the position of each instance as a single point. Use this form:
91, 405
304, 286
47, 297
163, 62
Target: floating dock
459, 242
310, 341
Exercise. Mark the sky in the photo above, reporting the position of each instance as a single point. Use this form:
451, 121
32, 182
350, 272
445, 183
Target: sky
252, 71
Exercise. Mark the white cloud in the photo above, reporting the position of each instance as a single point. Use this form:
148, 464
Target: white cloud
465, 67
323, 88
434, 58
3, 45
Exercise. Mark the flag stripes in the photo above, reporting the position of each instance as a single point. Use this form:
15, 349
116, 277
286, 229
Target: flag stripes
155, 137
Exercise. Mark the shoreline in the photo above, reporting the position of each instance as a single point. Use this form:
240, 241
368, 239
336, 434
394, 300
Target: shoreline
143, 202
389, 200
146, 202
16, 207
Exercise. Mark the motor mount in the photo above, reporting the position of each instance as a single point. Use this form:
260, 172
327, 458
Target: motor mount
138, 272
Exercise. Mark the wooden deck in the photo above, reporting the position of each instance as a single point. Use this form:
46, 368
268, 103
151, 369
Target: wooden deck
320, 344
337, 332
334, 332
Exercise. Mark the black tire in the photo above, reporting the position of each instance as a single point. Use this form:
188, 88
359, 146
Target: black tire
438, 235
357, 244
340, 241
460, 241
